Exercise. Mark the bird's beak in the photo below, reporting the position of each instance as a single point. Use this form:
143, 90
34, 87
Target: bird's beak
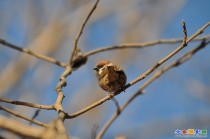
95, 68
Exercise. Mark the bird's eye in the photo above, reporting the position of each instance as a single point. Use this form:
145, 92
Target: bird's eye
99, 67
102, 67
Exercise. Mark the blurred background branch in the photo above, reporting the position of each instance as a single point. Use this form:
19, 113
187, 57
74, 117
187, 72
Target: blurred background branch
22, 116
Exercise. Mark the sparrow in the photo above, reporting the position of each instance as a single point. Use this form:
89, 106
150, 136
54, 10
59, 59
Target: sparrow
110, 76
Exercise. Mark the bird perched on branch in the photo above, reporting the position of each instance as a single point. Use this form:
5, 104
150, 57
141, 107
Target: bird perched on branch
110, 76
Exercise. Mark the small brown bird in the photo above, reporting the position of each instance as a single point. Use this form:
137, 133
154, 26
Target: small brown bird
110, 77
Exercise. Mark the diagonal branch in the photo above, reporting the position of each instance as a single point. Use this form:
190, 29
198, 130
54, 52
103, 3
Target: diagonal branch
170, 55
23, 117
81, 30
142, 76
156, 75
28, 51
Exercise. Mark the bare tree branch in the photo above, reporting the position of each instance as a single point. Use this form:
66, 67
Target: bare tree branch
68, 71
22, 103
170, 55
28, 51
62, 83
95, 51
81, 31
141, 45
23, 117
156, 75
141, 77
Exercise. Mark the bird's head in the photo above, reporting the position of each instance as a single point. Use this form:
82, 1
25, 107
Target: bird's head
101, 66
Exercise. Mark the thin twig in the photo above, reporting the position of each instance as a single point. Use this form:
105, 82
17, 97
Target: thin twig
33, 105
141, 45
141, 77
94, 131
35, 115
99, 102
81, 30
116, 104
185, 33
156, 75
30, 52
23, 117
